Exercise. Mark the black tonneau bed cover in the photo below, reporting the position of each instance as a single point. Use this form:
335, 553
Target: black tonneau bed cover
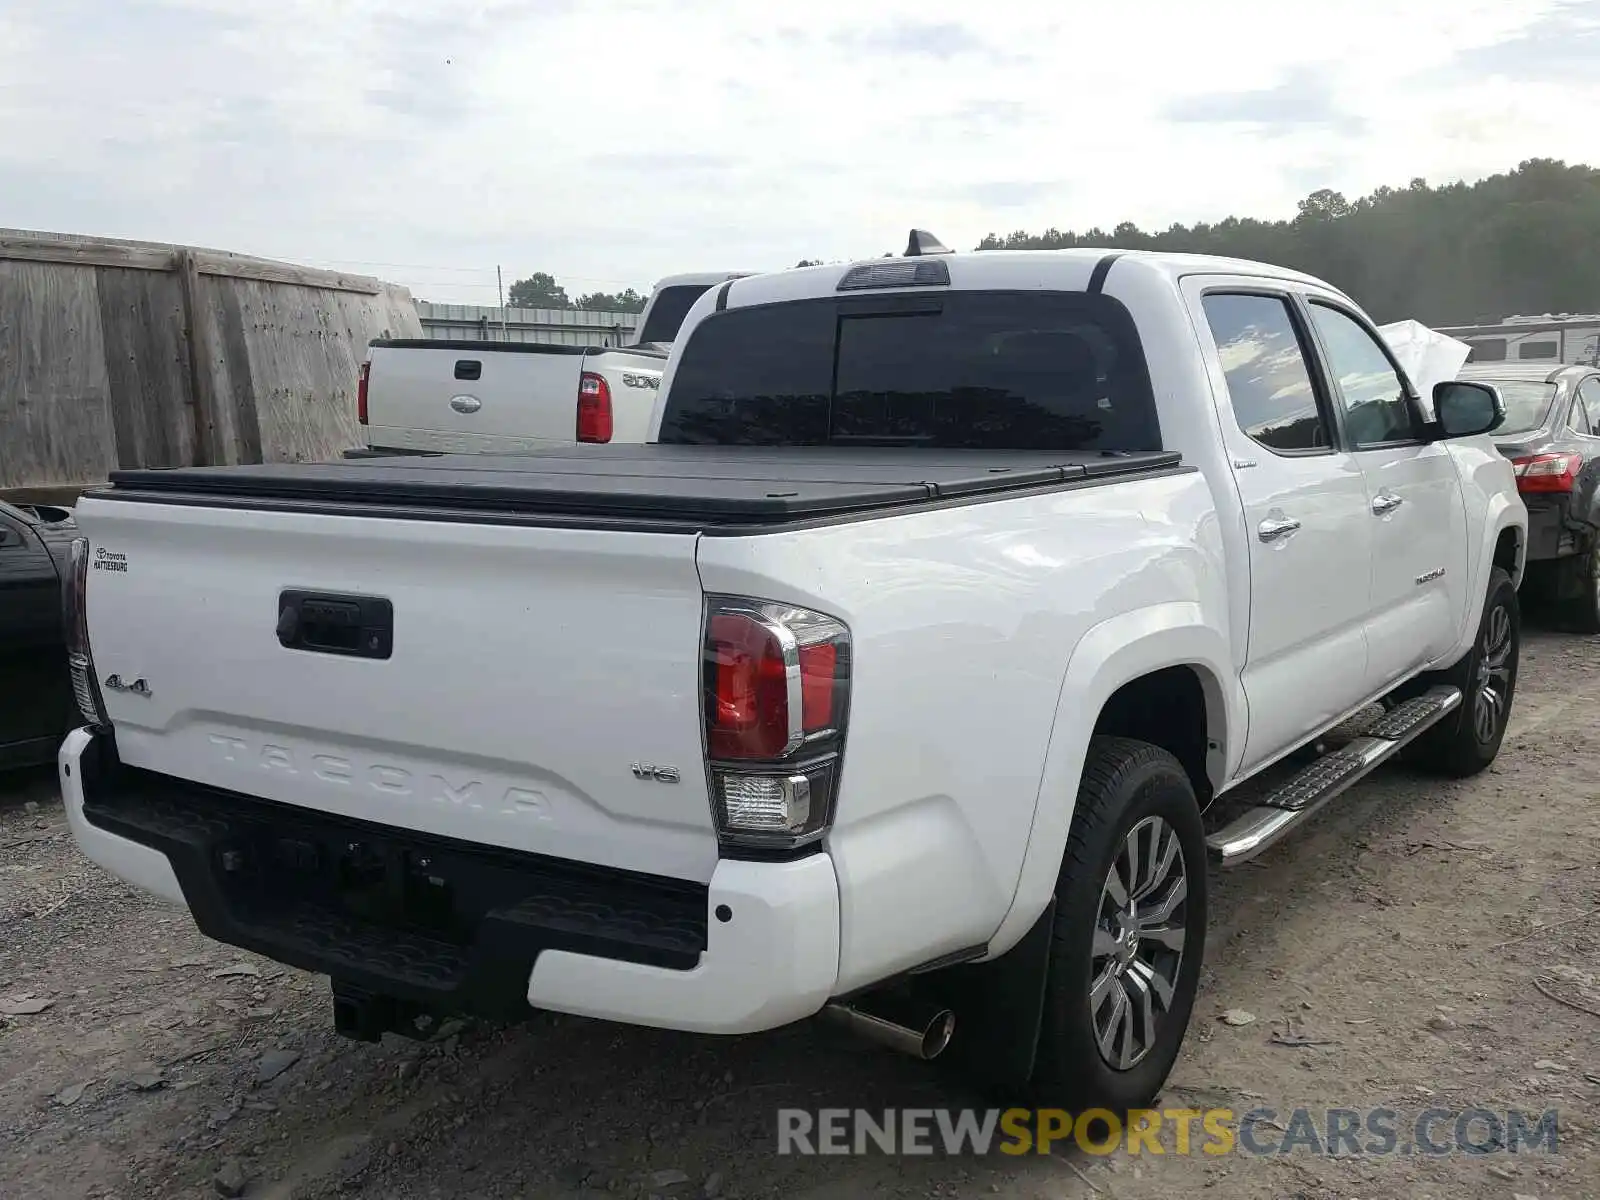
649, 485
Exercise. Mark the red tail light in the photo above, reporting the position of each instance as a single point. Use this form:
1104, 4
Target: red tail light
361, 392
75, 622
776, 691
819, 666
594, 408
74, 609
1544, 473
749, 714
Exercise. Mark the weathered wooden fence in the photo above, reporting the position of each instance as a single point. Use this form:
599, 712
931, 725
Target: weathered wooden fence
124, 354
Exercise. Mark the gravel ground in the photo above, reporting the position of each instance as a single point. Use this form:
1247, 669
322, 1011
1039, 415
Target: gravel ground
1421, 945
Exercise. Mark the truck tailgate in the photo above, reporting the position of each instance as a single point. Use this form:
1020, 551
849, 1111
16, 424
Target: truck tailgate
530, 669
472, 397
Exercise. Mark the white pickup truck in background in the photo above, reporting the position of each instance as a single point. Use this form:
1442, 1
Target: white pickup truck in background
962, 614
422, 395
425, 395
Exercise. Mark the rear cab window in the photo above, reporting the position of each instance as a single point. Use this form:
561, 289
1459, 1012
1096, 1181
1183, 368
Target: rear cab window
1055, 371
668, 308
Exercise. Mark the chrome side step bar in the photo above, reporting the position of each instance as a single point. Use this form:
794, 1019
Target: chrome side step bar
1304, 793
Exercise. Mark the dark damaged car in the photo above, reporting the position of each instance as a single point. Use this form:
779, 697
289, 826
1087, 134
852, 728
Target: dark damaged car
1552, 437
36, 708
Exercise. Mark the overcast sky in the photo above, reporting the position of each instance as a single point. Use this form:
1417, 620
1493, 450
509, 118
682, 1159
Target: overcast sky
613, 141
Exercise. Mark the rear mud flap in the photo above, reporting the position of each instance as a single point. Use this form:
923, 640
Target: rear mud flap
999, 1005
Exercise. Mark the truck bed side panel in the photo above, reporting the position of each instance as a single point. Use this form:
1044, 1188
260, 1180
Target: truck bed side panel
962, 622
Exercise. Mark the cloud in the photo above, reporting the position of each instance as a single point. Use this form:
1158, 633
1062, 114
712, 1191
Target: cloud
1564, 44
1306, 100
1322, 172
666, 162
1008, 194
941, 40
611, 142
983, 116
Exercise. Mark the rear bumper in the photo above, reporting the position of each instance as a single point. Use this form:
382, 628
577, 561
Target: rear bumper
453, 927
1549, 533
1554, 532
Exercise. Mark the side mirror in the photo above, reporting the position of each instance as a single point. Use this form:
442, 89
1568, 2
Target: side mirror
1464, 409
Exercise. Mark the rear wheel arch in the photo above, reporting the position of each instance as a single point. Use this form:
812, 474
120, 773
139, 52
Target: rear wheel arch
1172, 714
1179, 709
1166, 651
1128, 932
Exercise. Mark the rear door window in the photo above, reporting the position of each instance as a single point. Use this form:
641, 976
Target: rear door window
980, 370
1269, 383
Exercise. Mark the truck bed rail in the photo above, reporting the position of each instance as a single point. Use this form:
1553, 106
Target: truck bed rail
701, 488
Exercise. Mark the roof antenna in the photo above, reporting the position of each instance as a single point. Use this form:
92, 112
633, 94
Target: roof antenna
922, 242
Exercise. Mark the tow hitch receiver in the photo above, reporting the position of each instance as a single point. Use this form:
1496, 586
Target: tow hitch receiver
365, 1016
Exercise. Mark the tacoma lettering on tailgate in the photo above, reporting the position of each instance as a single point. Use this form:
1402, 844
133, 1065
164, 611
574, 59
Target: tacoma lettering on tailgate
382, 778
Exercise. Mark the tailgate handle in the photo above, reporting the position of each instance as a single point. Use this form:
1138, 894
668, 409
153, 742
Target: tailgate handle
356, 626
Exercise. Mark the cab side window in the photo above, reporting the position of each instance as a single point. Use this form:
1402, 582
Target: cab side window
1269, 383
1376, 410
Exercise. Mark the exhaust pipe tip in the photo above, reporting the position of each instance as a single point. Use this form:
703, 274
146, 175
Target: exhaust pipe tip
920, 1030
936, 1038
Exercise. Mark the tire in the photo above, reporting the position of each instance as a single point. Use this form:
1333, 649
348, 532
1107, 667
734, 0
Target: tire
1132, 793
1468, 740
1582, 612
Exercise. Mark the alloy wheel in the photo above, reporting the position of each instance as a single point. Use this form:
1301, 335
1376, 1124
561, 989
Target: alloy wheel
1491, 701
1138, 942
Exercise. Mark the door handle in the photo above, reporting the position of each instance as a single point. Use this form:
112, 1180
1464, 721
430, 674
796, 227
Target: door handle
1274, 528
1386, 502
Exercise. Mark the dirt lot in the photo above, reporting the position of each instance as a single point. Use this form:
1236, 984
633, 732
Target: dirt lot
1406, 936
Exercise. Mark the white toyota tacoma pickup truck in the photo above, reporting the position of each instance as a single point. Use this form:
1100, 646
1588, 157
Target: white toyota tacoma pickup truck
435, 395
962, 613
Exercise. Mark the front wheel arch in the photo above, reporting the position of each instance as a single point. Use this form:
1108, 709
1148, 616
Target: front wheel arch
1456, 747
